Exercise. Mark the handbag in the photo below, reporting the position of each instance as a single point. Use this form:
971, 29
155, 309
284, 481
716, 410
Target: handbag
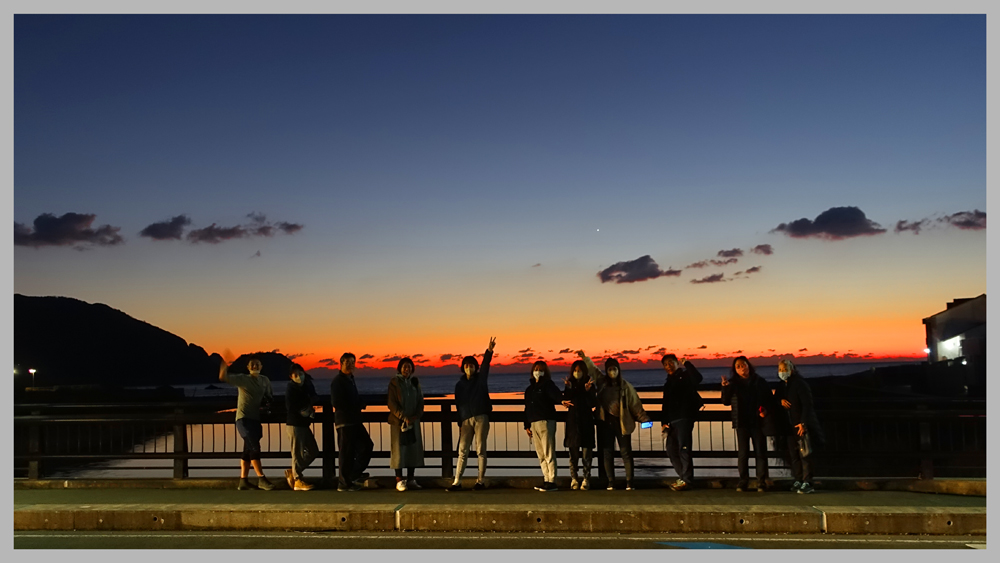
805, 446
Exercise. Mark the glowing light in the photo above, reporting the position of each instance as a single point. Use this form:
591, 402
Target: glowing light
927, 350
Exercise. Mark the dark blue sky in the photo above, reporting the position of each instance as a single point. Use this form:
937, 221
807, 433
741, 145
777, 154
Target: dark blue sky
466, 149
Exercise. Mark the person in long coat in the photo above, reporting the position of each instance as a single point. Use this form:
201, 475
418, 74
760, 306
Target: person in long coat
796, 400
406, 407
580, 398
751, 400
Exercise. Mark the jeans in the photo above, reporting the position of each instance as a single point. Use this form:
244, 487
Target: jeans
743, 437
251, 431
478, 426
304, 449
608, 432
543, 434
354, 452
801, 466
679, 444
574, 462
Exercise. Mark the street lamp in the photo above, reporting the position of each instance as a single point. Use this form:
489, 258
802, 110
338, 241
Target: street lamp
32, 372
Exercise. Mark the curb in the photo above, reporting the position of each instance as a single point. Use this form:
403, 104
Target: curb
512, 518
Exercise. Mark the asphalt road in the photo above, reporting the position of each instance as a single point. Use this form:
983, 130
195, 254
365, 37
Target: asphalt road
423, 540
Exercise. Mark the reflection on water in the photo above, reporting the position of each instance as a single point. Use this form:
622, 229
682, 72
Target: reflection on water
504, 436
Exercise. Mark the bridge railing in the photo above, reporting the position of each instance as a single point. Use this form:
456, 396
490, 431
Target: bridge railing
864, 438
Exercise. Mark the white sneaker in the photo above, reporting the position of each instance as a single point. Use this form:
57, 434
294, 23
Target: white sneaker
574, 484
585, 486
412, 483
401, 486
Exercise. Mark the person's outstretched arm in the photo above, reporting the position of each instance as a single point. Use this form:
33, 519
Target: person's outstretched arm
484, 370
593, 370
223, 370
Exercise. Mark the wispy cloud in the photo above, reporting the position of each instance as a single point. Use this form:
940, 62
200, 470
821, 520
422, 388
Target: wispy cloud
764, 249
734, 253
257, 227
836, 223
969, 220
714, 278
69, 229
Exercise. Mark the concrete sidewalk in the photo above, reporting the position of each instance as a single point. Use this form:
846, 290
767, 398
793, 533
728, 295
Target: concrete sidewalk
143, 505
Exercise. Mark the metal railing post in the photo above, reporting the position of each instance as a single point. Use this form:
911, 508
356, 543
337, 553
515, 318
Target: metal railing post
180, 446
34, 448
447, 451
329, 450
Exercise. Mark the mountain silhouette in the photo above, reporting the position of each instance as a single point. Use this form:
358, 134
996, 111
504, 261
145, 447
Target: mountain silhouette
71, 342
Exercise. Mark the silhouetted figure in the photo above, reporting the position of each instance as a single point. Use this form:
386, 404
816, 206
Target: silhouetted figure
254, 392
796, 400
300, 397
751, 400
406, 407
472, 399
681, 403
579, 398
353, 442
540, 400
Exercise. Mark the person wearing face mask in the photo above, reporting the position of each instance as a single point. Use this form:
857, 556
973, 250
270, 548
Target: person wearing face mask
751, 400
406, 406
253, 390
796, 400
472, 399
618, 409
580, 398
681, 403
540, 400
354, 445
300, 394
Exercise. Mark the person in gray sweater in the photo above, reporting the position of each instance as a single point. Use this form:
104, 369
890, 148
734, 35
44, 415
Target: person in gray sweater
254, 389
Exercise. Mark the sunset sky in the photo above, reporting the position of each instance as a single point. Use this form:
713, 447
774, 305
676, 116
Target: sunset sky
402, 185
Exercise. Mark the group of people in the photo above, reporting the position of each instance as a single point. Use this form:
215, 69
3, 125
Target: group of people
595, 399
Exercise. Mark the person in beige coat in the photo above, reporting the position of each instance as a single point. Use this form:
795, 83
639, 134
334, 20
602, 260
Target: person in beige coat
406, 407
618, 409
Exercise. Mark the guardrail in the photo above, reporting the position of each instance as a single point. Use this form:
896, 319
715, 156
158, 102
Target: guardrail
898, 438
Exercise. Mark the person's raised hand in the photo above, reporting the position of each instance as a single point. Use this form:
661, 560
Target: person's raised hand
581, 354
786, 404
724, 381
588, 384
493, 342
567, 404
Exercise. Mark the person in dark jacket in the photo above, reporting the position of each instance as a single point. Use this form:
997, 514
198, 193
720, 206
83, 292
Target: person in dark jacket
580, 398
540, 400
472, 398
681, 403
353, 442
796, 400
751, 400
405, 399
300, 395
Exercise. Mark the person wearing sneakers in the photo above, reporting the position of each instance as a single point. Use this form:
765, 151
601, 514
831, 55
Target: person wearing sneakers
580, 398
618, 409
353, 442
681, 403
796, 400
472, 399
751, 400
300, 394
540, 400
254, 389
406, 406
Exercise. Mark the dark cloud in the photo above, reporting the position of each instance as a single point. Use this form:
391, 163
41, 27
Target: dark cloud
702, 264
367, 357
640, 269
912, 226
724, 262
536, 265
737, 352
421, 361
526, 355
969, 220
738, 273
629, 352
446, 357
714, 278
702, 347
214, 235
295, 356
329, 361
730, 253
289, 228
764, 249
415, 356
167, 230
67, 230
559, 359
566, 351
660, 351
523, 351
803, 349
836, 223
392, 359
753, 270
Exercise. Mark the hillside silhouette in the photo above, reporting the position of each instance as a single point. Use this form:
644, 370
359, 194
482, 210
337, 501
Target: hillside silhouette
72, 342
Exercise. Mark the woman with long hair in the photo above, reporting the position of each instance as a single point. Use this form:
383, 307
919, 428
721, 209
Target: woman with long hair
406, 406
751, 400
540, 400
580, 398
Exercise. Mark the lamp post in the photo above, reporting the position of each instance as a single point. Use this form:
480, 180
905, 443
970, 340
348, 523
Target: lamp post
32, 372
